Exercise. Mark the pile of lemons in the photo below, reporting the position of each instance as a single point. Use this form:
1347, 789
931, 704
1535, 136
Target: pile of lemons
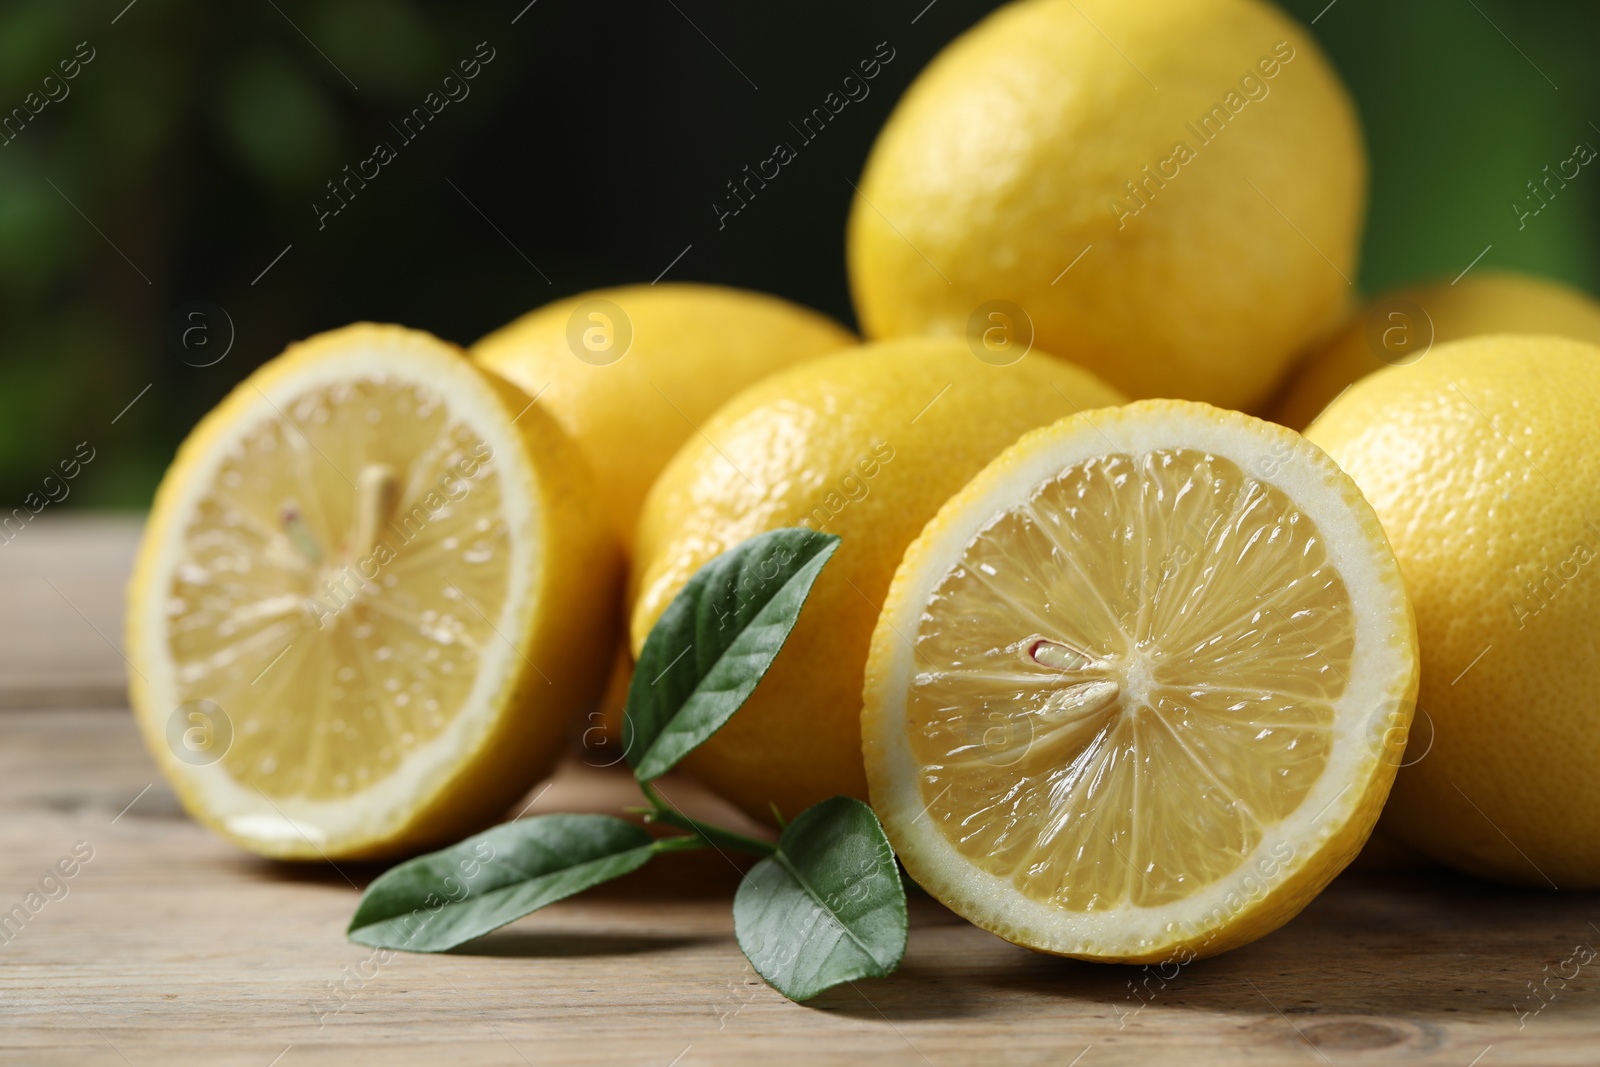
1122, 676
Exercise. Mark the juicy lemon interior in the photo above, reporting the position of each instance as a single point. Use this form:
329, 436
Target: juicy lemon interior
1126, 681
339, 573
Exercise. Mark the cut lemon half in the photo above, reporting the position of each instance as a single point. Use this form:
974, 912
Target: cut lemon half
1139, 690
373, 590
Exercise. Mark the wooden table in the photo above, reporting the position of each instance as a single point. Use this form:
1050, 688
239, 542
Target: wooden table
171, 946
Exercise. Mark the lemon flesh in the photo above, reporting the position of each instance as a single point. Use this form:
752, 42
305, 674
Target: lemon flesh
339, 601
367, 675
1139, 687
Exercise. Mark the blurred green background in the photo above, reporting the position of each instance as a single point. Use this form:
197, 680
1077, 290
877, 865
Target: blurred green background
188, 153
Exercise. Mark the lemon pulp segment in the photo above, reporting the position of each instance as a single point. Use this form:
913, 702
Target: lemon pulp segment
1128, 679
341, 571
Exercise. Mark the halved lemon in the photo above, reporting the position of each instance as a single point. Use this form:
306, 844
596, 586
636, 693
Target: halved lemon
1139, 690
372, 592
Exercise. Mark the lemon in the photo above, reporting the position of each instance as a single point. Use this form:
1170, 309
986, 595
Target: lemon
372, 589
631, 372
1483, 461
1401, 327
1139, 689
865, 444
1170, 192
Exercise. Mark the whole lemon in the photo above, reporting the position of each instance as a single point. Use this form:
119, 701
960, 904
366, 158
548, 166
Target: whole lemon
1401, 326
866, 444
1170, 192
1483, 464
630, 372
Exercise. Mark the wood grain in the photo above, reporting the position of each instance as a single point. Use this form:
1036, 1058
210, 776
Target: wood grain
172, 947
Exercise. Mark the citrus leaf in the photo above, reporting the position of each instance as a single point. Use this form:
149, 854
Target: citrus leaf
715, 641
445, 898
828, 907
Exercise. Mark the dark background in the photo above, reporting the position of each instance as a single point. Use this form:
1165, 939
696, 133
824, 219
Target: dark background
191, 149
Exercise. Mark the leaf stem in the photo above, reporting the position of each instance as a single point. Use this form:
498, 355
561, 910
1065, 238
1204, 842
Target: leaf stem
715, 836
679, 843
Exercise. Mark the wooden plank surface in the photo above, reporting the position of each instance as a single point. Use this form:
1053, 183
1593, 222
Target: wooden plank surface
61, 634
168, 946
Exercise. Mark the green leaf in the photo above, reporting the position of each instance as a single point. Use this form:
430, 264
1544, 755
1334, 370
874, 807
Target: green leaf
715, 641
828, 907
445, 898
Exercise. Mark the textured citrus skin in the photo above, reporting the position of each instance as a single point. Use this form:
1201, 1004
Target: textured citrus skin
693, 347
866, 444
571, 615
1487, 302
996, 170
1483, 462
